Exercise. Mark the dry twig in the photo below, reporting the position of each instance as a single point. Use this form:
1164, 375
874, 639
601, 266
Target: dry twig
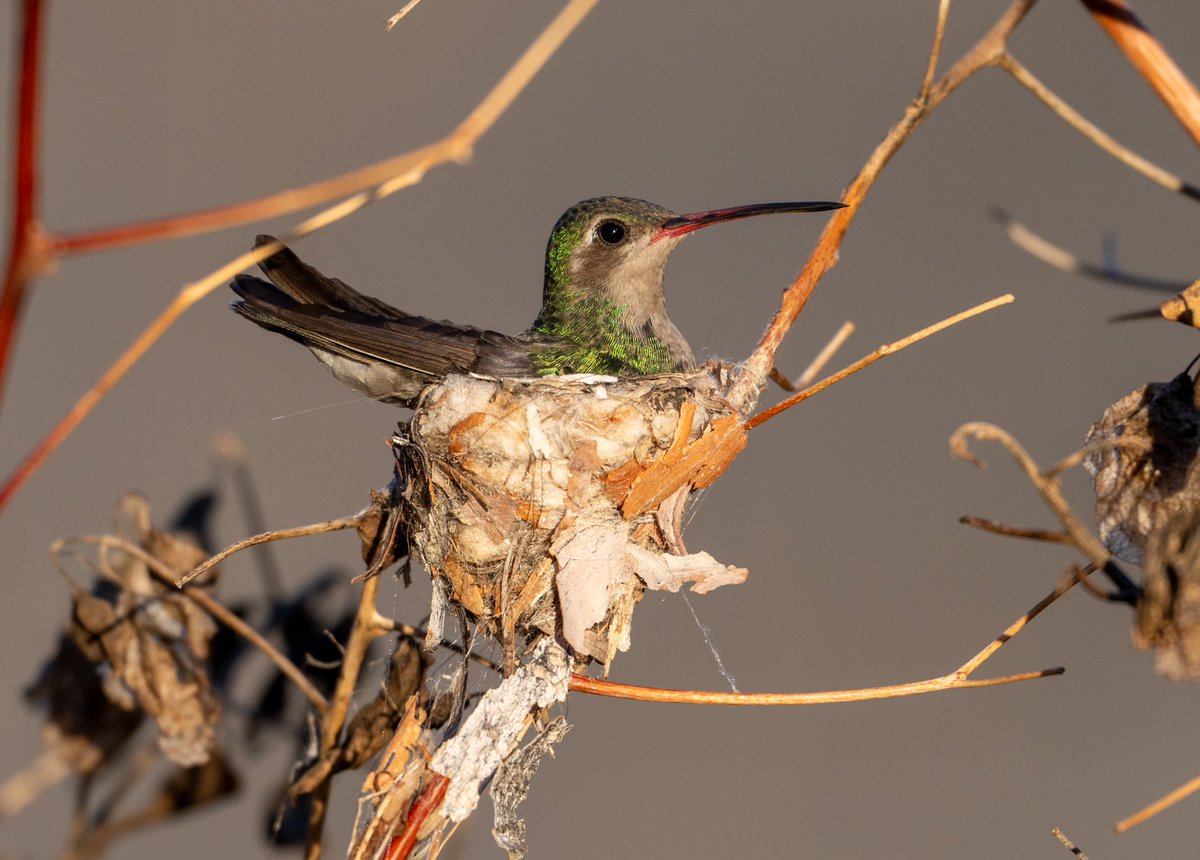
1047, 483
882, 352
1151, 61
1014, 531
24, 260
1071, 846
956, 680
986, 52
1064, 260
383, 179
364, 631
267, 537
1165, 802
1077, 121
817, 364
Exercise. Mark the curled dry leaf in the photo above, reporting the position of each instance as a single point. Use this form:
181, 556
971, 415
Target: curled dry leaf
1184, 307
1147, 472
1148, 511
380, 529
546, 507
1168, 617
146, 640
83, 728
371, 726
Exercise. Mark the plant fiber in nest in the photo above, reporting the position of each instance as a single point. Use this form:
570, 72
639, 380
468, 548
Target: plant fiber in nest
546, 507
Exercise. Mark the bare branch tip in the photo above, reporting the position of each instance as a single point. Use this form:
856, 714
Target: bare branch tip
960, 448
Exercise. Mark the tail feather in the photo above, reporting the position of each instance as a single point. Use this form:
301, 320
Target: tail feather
309, 287
368, 344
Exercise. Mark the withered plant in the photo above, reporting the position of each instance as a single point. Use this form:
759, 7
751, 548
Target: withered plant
542, 509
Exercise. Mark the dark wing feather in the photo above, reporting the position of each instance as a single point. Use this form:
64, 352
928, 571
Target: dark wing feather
430, 347
309, 287
371, 346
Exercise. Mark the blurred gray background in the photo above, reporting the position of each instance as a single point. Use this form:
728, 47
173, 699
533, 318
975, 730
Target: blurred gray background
844, 510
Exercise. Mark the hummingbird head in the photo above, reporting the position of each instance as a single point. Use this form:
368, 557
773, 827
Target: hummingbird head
604, 249
605, 264
616, 248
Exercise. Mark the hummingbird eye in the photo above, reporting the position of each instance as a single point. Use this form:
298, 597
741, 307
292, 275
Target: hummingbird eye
611, 232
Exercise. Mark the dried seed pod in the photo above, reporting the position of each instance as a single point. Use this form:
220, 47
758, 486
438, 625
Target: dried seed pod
1147, 473
1184, 307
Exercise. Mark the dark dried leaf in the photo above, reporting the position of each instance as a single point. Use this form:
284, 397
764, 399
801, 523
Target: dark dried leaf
150, 641
381, 527
1168, 617
83, 728
372, 726
185, 789
195, 786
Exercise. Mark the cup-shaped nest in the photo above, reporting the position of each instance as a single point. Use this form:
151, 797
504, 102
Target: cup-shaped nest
547, 507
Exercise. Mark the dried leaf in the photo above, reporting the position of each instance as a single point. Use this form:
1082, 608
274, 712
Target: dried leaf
150, 641
1168, 618
665, 572
380, 528
83, 727
372, 724
593, 567
1151, 475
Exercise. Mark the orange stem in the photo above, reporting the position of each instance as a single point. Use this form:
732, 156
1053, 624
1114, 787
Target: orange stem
1151, 61
222, 217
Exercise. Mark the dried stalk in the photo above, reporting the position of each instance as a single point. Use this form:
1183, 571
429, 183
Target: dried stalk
364, 631
1077, 121
867, 360
956, 680
1049, 488
267, 537
1052, 255
1165, 802
1015, 531
817, 364
385, 176
986, 52
1150, 60
1068, 844
388, 177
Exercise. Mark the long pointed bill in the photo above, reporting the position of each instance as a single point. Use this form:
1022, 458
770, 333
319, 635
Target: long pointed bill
681, 225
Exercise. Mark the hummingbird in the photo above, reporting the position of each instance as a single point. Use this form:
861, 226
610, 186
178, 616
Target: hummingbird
603, 308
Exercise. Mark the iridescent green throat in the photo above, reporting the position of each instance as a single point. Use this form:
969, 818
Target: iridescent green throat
598, 341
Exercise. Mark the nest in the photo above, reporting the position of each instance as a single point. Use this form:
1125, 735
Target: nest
547, 507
